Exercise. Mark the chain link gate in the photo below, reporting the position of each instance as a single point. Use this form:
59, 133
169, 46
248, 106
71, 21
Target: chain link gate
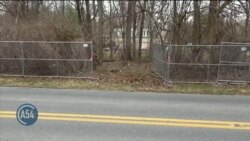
199, 63
234, 64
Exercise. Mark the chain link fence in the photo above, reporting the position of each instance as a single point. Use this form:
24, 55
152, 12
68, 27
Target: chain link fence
48, 59
234, 64
202, 63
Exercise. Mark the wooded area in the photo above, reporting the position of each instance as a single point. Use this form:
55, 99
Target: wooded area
168, 22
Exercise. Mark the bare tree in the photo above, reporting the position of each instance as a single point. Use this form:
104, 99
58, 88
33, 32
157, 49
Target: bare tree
131, 6
141, 28
151, 30
94, 13
100, 32
80, 14
175, 20
180, 11
110, 31
214, 11
88, 24
63, 7
196, 23
246, 6
121, 11
134, 33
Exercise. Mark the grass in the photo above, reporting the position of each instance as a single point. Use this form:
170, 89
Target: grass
131, 87
131, 77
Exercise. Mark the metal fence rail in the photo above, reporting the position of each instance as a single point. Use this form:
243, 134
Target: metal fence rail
47, 59
202, 63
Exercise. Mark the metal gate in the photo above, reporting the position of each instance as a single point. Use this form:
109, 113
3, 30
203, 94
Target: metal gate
234, 62
202, 63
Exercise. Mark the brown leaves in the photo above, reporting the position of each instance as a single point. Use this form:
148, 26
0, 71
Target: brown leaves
133, 74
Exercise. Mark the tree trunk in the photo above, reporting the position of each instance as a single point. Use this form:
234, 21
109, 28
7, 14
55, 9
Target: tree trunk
122, 23
134, 35
151, 31
100, 32
23, 9
131, 5
212, 22
78, 10
94, 12
63, 7
246, 26
88, 28
88, 25
246, 6
175, 36
110, 32
213, 16
196, 23
247, 20
141, 30
175, 40
79, 15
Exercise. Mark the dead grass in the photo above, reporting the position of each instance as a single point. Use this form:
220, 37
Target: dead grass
134, 77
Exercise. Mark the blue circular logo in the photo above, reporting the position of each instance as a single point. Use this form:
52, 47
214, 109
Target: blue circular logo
27, 114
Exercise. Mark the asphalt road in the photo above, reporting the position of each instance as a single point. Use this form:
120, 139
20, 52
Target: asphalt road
124, 116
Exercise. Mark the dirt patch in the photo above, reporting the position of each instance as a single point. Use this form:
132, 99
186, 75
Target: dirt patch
133, 74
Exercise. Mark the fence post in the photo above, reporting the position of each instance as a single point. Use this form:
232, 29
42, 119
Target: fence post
248, 69
208, 65
22, 58
218, 72
92, 59
168, 61
249, 73
56, 55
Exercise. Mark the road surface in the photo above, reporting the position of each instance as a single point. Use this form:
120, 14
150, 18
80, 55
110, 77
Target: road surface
91, 115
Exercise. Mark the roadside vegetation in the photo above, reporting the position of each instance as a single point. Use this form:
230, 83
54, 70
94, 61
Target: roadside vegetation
134, 77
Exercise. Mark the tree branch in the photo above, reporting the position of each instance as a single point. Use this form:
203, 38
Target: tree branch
224, 5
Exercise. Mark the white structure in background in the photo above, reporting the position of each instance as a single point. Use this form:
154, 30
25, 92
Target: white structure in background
145, 37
